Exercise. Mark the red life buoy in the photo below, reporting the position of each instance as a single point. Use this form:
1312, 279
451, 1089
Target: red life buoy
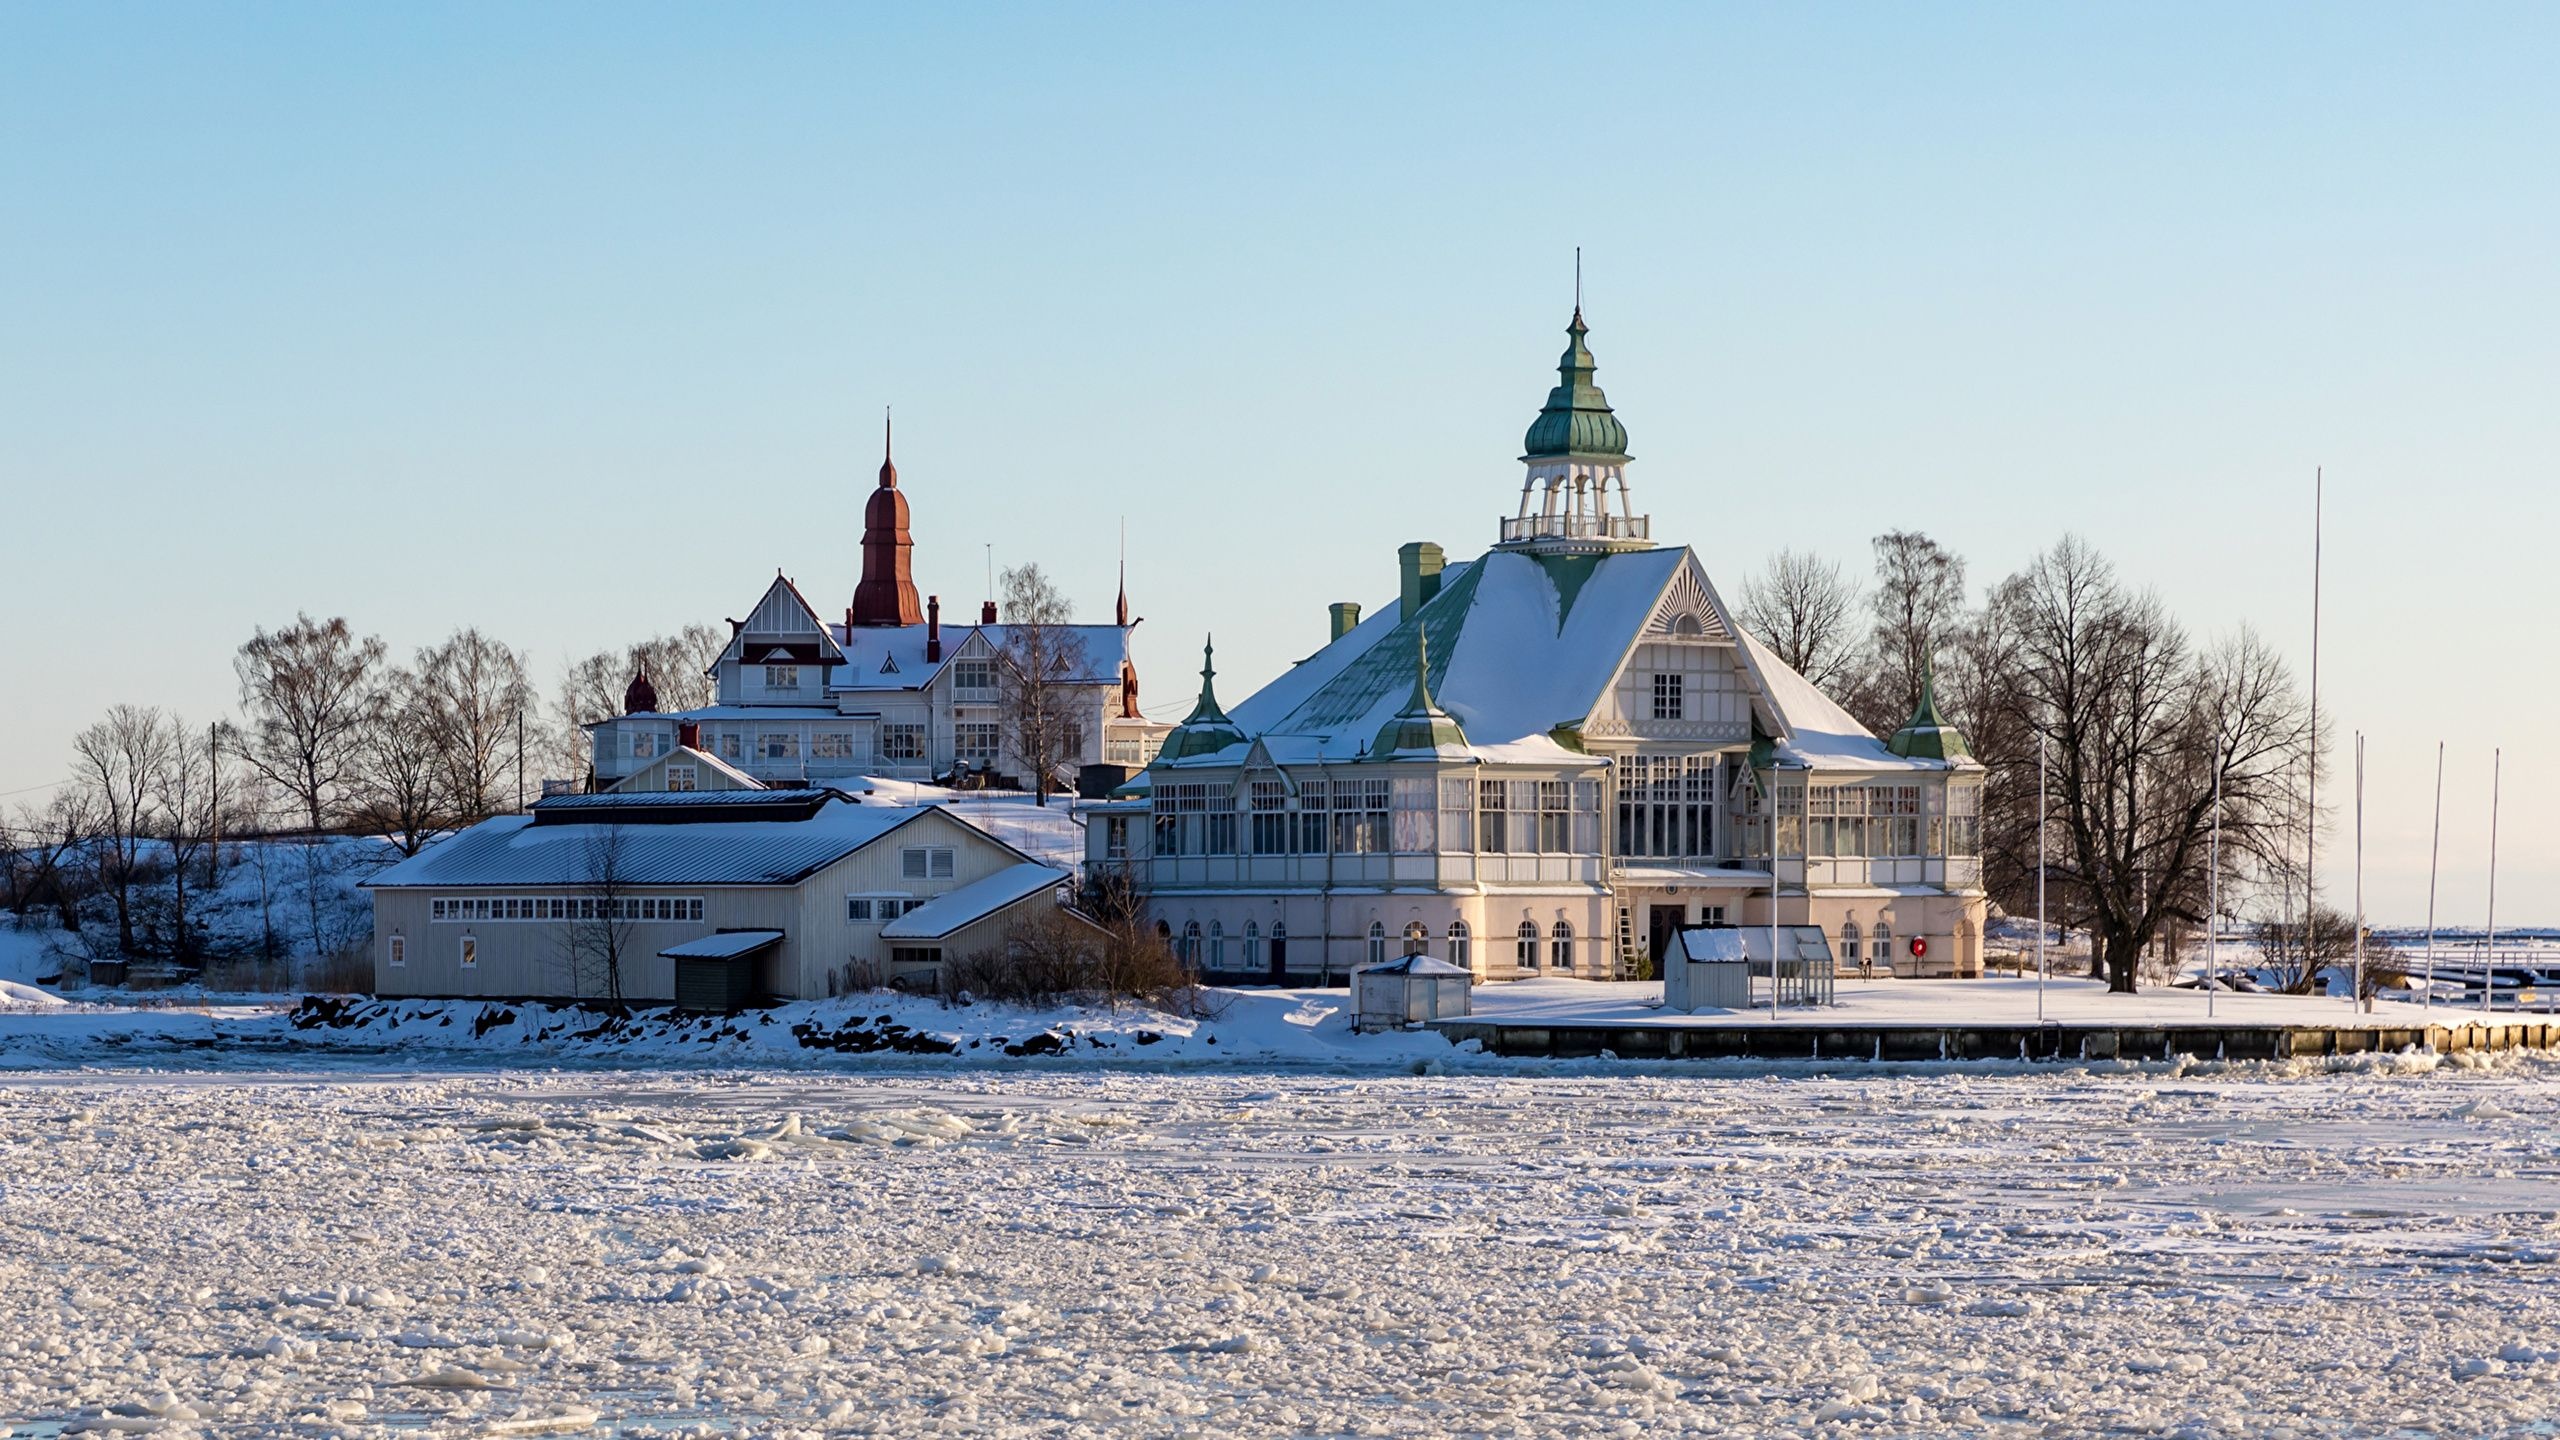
1919, 945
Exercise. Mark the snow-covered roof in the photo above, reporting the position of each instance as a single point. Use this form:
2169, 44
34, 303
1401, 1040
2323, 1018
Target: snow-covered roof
727, 945
973, 902
1520, 645
515, 850
1416, 965
654, 772
892, 657
1816, 731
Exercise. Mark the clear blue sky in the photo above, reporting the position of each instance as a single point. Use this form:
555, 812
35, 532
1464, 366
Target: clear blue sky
574, 322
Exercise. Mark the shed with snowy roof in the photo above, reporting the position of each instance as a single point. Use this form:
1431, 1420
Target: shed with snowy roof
1409, 990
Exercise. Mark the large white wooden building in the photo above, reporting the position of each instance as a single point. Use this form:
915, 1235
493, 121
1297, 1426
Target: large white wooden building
807, 893
802, 699
1546, 760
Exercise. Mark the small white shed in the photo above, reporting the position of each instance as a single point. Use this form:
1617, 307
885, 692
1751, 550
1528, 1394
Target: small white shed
1707, 969
1408, 990
1712, 967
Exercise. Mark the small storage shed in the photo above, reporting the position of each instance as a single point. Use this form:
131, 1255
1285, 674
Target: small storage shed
1712, 967
718, 972
1408, 990
1707, 969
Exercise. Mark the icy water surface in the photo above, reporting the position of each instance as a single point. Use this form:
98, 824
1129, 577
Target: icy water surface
2238, 1253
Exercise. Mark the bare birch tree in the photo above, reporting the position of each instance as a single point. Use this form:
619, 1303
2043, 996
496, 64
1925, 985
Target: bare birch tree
306, 690
402, 793
476, 690
118, 762
186, 815
1039, 678
1915, 610
597, 940
1802, 607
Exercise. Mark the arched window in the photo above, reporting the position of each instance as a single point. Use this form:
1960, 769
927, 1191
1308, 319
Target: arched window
1849, 942
1564, 946
1252, 945
1417, 937
1217, 945
1528, 944
1377, 942
1191, 943
1460, 945
1882, 943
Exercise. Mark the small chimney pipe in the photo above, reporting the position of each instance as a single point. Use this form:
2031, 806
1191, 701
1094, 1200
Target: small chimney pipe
933, 629
1346, 617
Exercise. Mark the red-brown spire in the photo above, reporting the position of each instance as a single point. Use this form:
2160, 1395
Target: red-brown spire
887, 592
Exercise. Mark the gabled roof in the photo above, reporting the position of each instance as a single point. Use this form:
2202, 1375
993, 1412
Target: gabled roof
892, 657
1523, 649
783, 620
956, 909
1521, 646
684, 754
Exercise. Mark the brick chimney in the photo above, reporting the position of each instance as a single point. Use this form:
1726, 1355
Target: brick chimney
987, 613
933, 630
689, 734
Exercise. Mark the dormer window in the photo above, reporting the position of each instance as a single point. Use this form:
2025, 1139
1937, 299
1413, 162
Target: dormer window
973, 676
782, 677
682, 777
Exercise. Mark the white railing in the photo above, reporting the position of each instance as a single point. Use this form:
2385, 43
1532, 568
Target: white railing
1577, 527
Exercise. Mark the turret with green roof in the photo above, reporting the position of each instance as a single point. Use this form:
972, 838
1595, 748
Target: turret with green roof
1206, 730
1927, 735
1421, 729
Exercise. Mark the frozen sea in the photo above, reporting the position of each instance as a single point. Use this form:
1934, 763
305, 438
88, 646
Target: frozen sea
2224, 1252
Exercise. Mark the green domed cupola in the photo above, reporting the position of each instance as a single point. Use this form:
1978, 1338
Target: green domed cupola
1577, 421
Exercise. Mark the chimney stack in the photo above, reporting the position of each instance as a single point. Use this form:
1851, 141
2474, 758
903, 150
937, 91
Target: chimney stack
1346, 617
1420, 562
689, 734
987, 613
933, 629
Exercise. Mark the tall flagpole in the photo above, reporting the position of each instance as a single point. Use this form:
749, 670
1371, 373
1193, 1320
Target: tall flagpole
2359, 998
2489, 957
2213, 901
2043, 862
2311, 840
2435, 846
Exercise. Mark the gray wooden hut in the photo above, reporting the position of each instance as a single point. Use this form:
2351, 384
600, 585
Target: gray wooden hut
1408, 990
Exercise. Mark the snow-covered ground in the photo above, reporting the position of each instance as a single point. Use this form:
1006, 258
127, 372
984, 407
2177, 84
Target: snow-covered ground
1993, 1000
2236, 1254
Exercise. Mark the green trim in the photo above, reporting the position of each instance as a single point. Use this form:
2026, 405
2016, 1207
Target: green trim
1927, 735
1568, 573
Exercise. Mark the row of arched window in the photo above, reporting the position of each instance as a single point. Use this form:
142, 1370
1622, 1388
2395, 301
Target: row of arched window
1850, 940
1537, 949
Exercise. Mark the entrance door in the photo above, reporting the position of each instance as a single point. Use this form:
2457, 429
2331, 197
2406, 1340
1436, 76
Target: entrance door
1661, 923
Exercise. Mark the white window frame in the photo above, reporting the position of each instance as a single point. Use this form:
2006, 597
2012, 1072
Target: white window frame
928, 862
683, 778
399, 957
468, 953
782, 677
877, 907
